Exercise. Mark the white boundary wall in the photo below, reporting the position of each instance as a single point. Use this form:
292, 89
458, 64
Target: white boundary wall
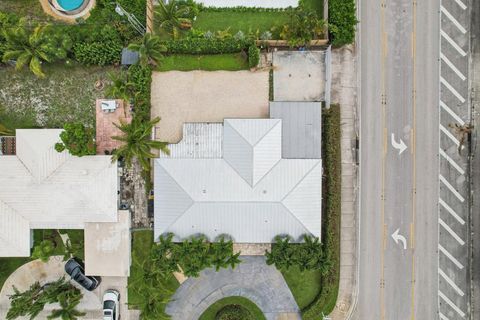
249, 3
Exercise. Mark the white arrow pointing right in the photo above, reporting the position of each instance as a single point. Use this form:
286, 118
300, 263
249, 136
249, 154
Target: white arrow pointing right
398, 237
400, 146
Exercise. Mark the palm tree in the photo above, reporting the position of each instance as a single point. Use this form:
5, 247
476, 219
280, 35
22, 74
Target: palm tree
138, 143
68, 303
171, 17
4, 131
120, 87
32, 48
149, 50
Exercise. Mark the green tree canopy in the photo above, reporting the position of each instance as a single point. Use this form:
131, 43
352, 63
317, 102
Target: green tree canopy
77, 139
171, 17
149, 50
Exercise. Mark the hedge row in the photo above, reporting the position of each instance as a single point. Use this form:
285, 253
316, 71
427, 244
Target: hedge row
206, 46
325, 301
99, 53
253, 56
243, 9
342, 21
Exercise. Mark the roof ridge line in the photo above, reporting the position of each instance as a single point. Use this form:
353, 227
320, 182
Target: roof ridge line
303, 178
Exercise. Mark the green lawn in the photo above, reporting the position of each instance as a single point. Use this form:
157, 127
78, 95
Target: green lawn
305, 286
8, 266
316, 5
142, 242
182, 62
31, 9
211, 312
67, 94
244, 21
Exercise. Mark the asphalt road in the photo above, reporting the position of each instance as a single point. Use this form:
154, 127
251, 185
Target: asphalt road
399, 163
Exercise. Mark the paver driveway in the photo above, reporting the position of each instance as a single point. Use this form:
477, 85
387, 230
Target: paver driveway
252, 279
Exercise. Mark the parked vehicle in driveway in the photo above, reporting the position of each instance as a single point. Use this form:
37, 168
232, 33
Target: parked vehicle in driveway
111, 305
75, 269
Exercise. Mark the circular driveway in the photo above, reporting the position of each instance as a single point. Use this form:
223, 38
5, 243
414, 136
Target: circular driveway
252, 279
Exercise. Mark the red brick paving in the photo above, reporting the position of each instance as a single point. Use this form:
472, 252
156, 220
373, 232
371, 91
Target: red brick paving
106, 129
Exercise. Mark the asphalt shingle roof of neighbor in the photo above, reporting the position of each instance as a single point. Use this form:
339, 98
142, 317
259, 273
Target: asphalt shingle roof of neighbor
251, 193
301, 128
43, 189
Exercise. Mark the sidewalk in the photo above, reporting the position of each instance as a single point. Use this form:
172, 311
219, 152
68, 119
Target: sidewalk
344, 93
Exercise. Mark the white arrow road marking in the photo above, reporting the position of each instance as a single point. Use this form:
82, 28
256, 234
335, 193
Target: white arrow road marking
400, 146
397, 237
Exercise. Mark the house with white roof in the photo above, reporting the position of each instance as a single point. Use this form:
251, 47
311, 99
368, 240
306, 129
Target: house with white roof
245, 178
41, 188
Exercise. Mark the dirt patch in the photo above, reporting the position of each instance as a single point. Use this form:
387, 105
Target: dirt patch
203, 96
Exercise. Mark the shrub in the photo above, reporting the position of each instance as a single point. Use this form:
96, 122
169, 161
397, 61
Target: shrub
234, 312
253, 56
141, 77
206, 45
303, 26
77, 139
342, 21
43, 251
99, 53
243, 9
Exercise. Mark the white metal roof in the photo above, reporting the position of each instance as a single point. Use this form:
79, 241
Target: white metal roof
41, 188
251, 193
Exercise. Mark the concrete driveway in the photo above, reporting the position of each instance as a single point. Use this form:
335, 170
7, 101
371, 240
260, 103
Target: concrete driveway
252, 279
203, 96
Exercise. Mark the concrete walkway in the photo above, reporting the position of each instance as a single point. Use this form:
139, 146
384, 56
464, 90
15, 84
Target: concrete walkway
252, 279
344, 93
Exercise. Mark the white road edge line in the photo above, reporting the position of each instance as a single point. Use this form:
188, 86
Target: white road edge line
452, 89
449, 256
461, 4
452, 162
450, 135
452, 66
452, 233
452, 18
451, 304
452, 212
442, 316
451, 282
451, 188
453, 114
453, 43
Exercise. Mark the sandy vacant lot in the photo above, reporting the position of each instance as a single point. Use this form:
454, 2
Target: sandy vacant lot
203, 96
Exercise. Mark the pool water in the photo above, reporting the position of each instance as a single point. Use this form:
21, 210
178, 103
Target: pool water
69, 5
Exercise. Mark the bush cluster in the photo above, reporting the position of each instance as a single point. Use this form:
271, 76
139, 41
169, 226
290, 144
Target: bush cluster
342, 21
253, 56
193, 255
98, 53
77, 139
234, 312
141, 78
206, 46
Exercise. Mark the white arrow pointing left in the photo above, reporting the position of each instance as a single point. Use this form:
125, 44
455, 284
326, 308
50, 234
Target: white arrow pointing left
398, 237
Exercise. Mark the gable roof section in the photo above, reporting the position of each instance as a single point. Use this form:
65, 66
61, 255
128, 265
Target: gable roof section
45, 189
213, 196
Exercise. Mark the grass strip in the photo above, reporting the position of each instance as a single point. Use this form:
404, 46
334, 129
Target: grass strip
183, 62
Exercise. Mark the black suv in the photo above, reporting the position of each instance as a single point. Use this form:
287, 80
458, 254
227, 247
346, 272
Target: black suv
75, 269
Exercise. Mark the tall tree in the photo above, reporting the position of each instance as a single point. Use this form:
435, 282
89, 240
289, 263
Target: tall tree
68, 303
171, 17
138, 143
77, 139
149, 50
34, 47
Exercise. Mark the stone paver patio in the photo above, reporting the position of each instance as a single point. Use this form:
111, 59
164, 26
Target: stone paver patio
252, 279
105, 127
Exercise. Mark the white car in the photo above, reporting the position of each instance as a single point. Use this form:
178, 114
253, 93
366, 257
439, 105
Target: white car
111, 305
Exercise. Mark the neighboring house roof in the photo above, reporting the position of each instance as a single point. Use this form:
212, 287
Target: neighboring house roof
43, 189
129, 57
251, 193
301, 128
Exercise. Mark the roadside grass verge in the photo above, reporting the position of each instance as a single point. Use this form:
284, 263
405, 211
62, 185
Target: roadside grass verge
240, 21
67, 94
183, 62
211, 312
316, 5
326, 299
142, 242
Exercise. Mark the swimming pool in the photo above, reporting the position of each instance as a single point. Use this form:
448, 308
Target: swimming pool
69, 5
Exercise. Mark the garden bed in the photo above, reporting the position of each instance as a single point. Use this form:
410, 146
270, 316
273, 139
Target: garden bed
214, 309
